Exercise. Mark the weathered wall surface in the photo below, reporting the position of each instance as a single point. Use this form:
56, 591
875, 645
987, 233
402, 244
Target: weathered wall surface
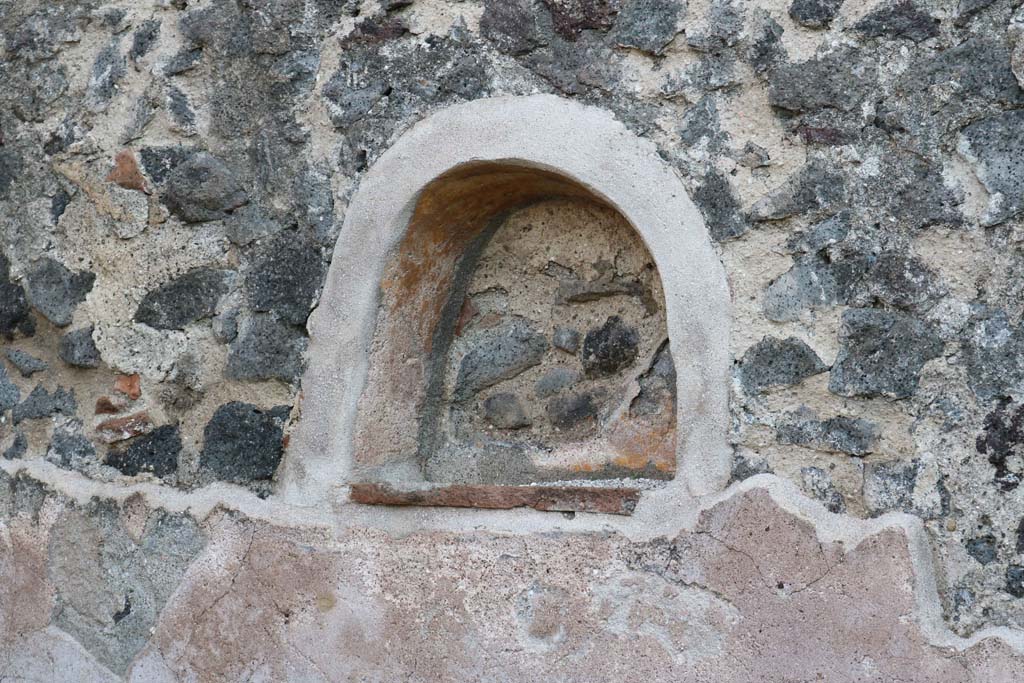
173, 178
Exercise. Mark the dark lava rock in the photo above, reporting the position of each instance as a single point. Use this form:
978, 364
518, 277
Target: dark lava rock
720, 207
900, 19
983, 548
1015, 580
828, 81
648, 25
107, 70
819, 484
26, 364
18, 447
808, 285
156, 452
889, 486
554, 380
815, 187
144, 38
184, 300
996, 146
242, 443
571, 412
566, 339
69, 447
266, 348
765, 51
572, 17
203, 189
838, 434
994, 355
881, 354
56, 291
160, 162
498, 354
774, 362
1020, 537
1002, 440
513, 26
505, 411
78, 349
284, 277
609, 348
9, 392
14, 310
41, 403
814, 13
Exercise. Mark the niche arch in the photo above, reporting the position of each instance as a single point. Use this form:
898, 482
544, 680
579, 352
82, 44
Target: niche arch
417, 214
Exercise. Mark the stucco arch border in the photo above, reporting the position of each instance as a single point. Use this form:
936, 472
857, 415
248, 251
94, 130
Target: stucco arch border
589, 147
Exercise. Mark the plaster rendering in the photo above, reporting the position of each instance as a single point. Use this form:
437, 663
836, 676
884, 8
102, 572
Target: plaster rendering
249, 246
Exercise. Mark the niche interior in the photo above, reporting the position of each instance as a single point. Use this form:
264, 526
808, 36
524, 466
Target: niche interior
521, 349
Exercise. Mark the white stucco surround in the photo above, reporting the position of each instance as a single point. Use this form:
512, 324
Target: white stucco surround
586, 145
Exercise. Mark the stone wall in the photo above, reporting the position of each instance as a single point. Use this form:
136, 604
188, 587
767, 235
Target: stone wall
174, 175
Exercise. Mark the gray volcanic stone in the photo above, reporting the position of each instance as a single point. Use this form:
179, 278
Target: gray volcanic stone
840, 434
996, 146
27, 364
203, 189
745, 468
819, 484
889, 486
242, 443
78, 349
266, 348
18, 447
69, 447
284, 277
566, 339
56, 291
41, 403
609, 348
994, 355
156, 452
554, 380
9, 392
808, 285
828, 81
648, 25
881, 354
984, 549
571, 17
774, 362
814, 13
823, 234
898, 280
571, 412
724, 24
248, 224
513, 26
505, 411
184, 300
1015, 580
111, 585
901, 19
500, 353
815, 187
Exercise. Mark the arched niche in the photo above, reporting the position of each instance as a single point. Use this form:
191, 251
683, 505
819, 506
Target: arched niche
392, 299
